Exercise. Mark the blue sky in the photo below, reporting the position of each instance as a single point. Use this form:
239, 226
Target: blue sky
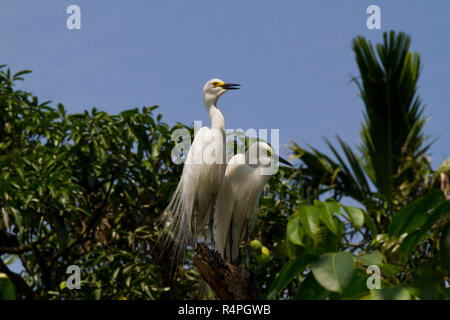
293, 60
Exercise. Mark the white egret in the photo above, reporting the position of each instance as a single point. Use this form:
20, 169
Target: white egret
238, 198
202, 176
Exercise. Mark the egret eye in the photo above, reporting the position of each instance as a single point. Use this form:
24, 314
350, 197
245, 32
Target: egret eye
264, 151
215, 84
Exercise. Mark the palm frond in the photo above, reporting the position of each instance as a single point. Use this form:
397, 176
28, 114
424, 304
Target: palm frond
392, 133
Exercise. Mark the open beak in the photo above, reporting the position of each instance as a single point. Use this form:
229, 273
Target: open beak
230, 86
284, 161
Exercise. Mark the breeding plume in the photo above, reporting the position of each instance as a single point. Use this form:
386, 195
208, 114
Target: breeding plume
238, 198
191, 204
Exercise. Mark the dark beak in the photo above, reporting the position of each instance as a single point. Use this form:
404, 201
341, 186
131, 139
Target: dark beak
284, 161
230, 86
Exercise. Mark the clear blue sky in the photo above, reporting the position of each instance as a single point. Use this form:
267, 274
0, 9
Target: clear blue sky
294, 59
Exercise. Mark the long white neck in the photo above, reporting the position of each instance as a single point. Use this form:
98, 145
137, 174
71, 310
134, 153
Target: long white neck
217, 119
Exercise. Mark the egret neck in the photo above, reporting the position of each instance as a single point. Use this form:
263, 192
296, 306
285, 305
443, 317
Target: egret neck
217, 123
217, 119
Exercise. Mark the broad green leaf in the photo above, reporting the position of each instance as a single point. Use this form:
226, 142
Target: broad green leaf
326, 217
390, 269
292, 250
411, 242
409, 218
356, 216
288, 273
334, 270
309, 219
374, 257
327, 241
356, 289
310, 289
294, 230
415, 238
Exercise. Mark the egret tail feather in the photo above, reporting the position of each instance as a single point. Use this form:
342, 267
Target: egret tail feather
176, 222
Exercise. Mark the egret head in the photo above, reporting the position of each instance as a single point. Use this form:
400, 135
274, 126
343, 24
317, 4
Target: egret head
214, 88
261, 154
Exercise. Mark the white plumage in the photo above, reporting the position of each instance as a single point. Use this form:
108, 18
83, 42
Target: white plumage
191, 204
238, 198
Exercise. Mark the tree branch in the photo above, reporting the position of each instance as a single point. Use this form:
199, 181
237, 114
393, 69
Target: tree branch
229, 282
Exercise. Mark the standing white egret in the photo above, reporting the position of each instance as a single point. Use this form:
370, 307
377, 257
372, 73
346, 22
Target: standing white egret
203, 172
238, 198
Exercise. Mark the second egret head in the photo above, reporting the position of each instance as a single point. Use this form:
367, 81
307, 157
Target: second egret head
261, 154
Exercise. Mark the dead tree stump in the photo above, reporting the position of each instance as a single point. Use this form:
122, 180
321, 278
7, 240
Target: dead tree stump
229, 282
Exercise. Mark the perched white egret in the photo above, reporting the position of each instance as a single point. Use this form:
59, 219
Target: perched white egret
238, 198
203, 172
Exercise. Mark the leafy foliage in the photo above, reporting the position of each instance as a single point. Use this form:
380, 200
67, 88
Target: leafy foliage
84, 189
402, 219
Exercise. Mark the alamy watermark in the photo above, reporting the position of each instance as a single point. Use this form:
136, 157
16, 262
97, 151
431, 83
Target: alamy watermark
374, 280
212, 147
374, 20
74, 20
74, 280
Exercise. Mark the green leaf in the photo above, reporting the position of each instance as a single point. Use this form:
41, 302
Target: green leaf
327, 240
115, 274
294, 230
288, 273
333, 207
17, 218
425, 290
309, 219
356, 216
394, 293
17, 76
310, 289
356, 289
410, 217
6, 288
390, 269
334, 270
326, 217
370, 224
374, 257
415, 238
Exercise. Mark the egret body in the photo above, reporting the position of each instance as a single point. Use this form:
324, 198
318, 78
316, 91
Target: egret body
238, 198
203, 172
